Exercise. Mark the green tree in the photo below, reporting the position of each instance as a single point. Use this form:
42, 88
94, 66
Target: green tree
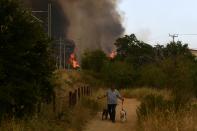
152, 75
130, 49
119, 73
93, 60
25, 60
173, 49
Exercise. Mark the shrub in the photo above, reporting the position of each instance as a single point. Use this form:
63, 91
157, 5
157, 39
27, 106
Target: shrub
180, 72
93, 60
151, 104
25, 61
168, 120
118, 73
152, 75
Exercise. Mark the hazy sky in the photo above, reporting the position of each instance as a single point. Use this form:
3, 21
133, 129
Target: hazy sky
153, 20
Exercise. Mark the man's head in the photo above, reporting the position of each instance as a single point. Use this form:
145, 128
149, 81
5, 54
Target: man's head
112, 87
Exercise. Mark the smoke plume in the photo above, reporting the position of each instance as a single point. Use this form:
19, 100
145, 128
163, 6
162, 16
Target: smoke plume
91, 24
59, 20
94, 24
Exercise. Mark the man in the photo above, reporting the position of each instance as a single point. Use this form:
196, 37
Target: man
112, 96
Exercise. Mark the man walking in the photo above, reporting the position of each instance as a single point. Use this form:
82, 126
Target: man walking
112, 98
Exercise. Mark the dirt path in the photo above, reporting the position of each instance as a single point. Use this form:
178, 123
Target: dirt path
98, 125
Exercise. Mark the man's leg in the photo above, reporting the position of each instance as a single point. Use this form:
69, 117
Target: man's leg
113, 112
110, 111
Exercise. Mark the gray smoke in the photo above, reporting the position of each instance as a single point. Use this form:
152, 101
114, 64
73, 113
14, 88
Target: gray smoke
94, 24
37, 4
59, 20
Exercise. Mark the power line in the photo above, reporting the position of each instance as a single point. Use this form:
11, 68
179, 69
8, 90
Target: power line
177, 35
187, 34
173, 37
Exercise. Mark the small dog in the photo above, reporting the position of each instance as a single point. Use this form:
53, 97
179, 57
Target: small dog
105, 114
123, 115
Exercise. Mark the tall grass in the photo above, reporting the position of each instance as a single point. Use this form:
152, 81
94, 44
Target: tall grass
72, 119
157, 113
159, 110
184, 120
142, 92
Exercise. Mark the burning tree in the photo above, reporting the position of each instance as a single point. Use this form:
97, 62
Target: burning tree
112, 55
73, 61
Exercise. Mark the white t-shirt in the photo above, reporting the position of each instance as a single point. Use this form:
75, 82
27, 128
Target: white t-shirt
112, 96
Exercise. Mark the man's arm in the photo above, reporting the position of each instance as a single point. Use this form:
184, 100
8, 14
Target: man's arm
119, 96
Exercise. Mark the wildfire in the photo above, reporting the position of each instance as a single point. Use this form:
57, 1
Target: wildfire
112, 55
73, 61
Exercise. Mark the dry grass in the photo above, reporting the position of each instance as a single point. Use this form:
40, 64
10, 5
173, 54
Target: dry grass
185, 120
65, 118
72, 119
142, 92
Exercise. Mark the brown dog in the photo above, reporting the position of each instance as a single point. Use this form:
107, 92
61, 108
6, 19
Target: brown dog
105, 114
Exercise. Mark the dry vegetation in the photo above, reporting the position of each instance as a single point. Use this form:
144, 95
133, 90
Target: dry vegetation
142, 92
185, 120
64, 118
157, 111
73, 119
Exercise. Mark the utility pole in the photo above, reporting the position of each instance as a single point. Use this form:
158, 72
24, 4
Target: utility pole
173, 37
49, 11
62, 51
64, 56
57, 66
49, 19
60, 66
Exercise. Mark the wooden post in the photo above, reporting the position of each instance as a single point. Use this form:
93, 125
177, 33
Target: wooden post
79, 94
39, 107
76, 96
73, 99
70, 99
54, 102
90, 91
86, 90
83, 91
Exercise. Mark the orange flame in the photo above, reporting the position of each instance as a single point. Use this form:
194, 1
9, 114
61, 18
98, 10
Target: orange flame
112, 55
73, 61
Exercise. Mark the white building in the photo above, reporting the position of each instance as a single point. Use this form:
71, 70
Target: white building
194, 52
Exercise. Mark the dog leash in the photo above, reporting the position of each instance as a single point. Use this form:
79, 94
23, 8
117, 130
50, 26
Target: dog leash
122, 104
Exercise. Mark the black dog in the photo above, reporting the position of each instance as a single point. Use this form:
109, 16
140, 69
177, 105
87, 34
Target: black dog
105, 114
